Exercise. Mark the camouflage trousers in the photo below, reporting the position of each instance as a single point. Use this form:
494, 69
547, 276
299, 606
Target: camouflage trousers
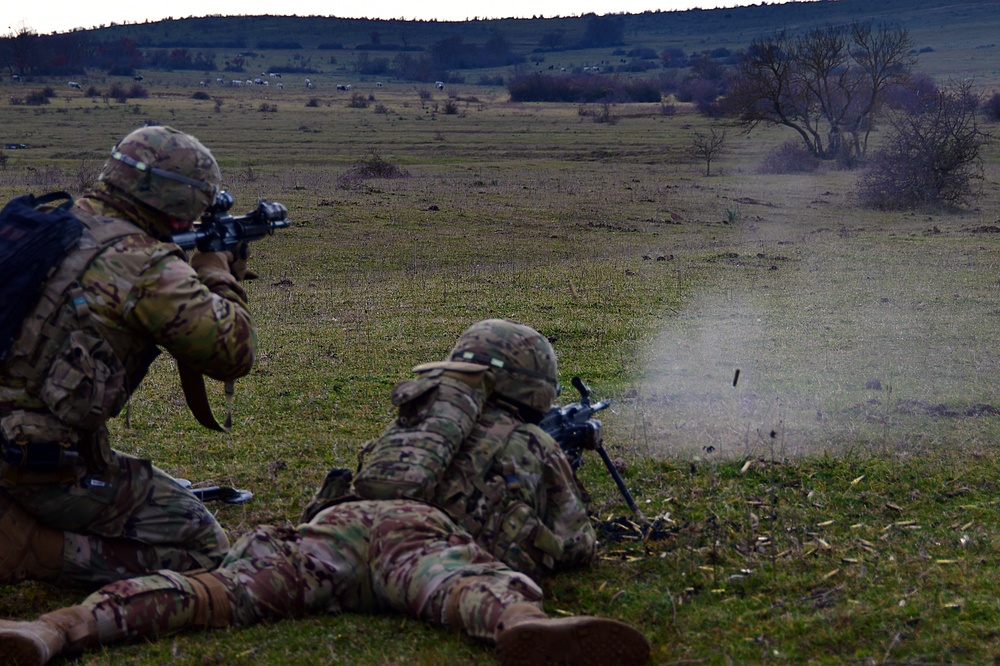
130, 520
362, 556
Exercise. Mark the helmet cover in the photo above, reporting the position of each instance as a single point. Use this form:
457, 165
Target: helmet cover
521, 359
168, 170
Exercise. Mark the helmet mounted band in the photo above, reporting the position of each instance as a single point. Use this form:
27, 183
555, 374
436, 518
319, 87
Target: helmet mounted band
500, 363
163, 173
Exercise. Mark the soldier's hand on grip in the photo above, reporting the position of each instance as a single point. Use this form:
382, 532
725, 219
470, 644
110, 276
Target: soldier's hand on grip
238, 263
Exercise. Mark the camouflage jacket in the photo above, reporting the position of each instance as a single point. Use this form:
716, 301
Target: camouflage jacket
142, 296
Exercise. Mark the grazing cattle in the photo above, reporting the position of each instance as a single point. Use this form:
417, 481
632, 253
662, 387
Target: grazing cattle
280, 87
137, 78
16, 77
440, 85
378, 84
236, 83
74, 84
220, 81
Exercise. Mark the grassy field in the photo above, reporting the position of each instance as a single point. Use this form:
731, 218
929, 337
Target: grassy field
837, 503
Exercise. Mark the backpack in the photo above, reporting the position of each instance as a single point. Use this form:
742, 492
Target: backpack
437, 411
34, 238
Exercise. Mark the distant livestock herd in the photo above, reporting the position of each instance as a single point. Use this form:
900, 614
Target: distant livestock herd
262, 80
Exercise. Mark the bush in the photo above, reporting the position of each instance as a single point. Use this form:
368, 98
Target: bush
202, 95
991, 108
581, 89
928, 158
36, 98
373, 166
789, 157
358, 101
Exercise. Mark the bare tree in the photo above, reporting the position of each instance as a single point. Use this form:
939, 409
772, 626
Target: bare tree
827, 84
19, 51
931, 156
707, 147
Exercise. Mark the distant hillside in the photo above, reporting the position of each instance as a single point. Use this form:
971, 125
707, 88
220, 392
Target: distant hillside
736, 25
955, 38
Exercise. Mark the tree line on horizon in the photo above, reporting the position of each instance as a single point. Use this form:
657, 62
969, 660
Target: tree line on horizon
832, 86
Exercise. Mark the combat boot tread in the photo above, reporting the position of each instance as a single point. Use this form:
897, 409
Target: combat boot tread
580, 641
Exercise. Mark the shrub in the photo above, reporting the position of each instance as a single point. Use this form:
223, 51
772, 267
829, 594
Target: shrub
358, 101
581, 89
117, 92
36, 98
312, 103
789, 157
202, 95
991, 107
136, 91
374, 166
928, 158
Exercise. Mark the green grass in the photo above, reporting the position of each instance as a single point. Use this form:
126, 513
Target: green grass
802, 515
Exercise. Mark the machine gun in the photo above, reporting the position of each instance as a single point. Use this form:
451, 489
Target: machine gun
576, 430
218, 231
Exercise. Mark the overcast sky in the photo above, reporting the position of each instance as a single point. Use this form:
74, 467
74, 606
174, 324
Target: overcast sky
45, 16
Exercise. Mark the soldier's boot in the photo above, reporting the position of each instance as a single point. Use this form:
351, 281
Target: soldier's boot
62, 632
526, 636
122, 611
28, 549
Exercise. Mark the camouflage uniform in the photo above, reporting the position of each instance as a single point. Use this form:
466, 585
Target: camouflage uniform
509, 508
120, 516
442, 565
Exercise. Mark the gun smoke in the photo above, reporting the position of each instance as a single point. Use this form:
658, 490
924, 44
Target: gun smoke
830, 345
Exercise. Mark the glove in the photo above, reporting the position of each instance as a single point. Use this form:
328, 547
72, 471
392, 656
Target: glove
225, 262
238, 263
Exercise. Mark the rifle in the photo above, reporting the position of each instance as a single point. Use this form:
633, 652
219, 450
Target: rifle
225, 494
218, 231
576, 430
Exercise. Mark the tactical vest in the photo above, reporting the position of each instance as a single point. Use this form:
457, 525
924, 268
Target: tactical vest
69, 379
443, 449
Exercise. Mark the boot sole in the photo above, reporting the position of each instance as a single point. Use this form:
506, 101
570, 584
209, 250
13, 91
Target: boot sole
580, 641
21, 649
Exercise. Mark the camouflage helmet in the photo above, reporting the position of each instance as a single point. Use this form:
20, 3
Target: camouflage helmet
168, 170
522, 361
